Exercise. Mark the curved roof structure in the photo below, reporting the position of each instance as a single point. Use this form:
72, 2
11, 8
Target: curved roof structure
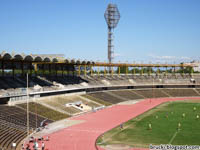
38, 59
18, 57
42, 58
6, 56
53, 59
28, 58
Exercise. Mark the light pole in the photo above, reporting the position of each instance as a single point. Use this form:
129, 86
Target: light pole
27, 103
112, 17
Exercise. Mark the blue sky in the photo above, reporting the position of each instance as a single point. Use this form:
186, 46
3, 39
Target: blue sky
149, 30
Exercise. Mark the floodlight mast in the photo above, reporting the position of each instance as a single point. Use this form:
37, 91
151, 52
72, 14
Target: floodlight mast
112, 17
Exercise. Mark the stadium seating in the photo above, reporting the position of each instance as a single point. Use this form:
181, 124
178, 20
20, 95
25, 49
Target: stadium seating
48, 83
181, 92
59, 103
44, 111
129, 95
151, 93
39, 81
9, 135
118, 96
55, 104
20, 82
13, 119
13, 125
66, 80
95, 99
107, 97
198, 91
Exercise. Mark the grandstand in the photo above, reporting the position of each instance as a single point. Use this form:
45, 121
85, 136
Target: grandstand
43, 111
59, 105
9, 85
53, 108
107, 96
128, 94
118, 96
13, 125
61, 88
70, 105
181, 92
152, 93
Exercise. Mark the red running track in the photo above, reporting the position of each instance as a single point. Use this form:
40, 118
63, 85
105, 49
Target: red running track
83, 136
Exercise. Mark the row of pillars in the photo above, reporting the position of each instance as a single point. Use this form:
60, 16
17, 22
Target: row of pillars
79, 69
31, 70
127, 72
50, 69
13, 68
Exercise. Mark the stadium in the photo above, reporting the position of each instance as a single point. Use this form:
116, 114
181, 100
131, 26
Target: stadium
51, 102
94, 102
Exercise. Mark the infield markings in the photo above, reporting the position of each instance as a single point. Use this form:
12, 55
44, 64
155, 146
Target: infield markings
173, 137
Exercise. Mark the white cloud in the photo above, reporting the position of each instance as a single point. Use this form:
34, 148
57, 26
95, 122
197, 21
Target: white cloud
116, 54
169, 58
186, 58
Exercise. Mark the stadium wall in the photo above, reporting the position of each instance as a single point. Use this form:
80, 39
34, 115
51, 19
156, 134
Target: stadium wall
4, 100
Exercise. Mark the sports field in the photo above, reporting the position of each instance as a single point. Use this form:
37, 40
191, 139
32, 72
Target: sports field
174, 123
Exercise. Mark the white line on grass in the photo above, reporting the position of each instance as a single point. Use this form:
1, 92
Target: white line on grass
173, 137
115, 133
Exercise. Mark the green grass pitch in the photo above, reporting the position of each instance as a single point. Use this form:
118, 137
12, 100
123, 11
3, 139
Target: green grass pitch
164, 121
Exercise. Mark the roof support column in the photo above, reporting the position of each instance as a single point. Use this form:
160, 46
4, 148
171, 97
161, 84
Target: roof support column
105, 72
22, 67
30, 66
119, 70
35, 69
149, 71
73, 71
79, 70
67, 70
43, 69
56, 70
62, 69
126, 70
98, 72
158, 71
192, 71
13, 70
141, 71
112, 71
84, 70
183, 71
132, 71
91, 73
174, 70
49, 69
2, 67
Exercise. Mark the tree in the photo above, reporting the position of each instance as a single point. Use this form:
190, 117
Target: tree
122, 69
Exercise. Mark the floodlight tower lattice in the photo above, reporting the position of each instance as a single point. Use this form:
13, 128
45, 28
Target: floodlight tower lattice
112, 17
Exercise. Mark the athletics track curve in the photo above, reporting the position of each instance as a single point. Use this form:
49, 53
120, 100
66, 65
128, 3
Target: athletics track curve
83, 136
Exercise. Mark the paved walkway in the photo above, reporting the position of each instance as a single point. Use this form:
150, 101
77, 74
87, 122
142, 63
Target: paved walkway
83, 136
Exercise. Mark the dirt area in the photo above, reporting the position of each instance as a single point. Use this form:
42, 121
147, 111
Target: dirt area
53, 127
191, 101
116, 147
130, 102
56, 126
86, 108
